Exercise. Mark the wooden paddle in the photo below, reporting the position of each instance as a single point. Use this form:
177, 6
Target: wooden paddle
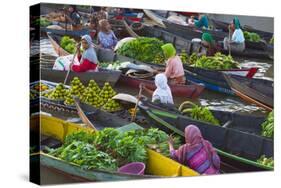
229, 49
82, 115
136, 106
65, 80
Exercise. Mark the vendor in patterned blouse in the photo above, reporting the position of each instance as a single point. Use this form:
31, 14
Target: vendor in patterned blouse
197, 153
88, 60
106, 37
174, 69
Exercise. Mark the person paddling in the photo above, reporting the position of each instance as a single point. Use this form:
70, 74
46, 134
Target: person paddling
88, 60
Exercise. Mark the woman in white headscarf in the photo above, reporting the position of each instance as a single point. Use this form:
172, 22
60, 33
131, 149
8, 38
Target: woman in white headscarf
163, 92
88, 60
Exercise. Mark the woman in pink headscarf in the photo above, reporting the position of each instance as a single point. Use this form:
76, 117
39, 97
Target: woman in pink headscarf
196, 153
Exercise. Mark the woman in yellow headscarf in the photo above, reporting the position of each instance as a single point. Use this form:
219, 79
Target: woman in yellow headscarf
174, 70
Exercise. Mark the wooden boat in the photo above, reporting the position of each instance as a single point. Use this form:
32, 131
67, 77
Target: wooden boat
156, 18
100, 77
156, 166
181, 42
214, 80
224, 26
77, 33
234, 141
190, 90
257, 91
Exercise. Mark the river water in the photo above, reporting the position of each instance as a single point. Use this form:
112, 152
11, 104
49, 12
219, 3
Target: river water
208, 98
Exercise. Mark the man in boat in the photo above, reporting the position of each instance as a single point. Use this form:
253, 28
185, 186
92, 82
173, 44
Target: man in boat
174, 68
196, 153
74, 18
163, 93
237, 41
209, 44
106, 37
88, 60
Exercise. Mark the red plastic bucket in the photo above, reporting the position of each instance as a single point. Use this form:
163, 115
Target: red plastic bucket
136, 168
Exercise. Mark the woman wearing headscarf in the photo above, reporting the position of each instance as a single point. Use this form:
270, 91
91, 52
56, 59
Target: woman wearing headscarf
106, 37
74, 18
163, 93
196, 153
209, 44
88, 60
237, 42
174, 68
202, 22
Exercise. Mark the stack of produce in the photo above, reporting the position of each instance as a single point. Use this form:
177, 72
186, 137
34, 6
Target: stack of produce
159, 59
198, 113
76, 87
68, 44
143, 49
106, 93
42, 22
266, 161
268, 126
193, 58
216, 62
253, 37
92, 98
112, 106
69, 99
58, 93
184, 57
117, 149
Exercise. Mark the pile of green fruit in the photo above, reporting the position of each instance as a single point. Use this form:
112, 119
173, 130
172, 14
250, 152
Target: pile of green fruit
193, 58
42, 22
68, 44
268, 126
159, 59
92, 98
58, 93
107, 93
69, 99
143, 49
76, 87
266, 161
253, 37
216, 62
112, 106
198, 113
184, 57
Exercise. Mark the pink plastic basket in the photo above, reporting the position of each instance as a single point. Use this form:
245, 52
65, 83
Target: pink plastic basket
136, 168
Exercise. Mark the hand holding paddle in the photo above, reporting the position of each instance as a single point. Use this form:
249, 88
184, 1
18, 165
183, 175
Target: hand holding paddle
136, 106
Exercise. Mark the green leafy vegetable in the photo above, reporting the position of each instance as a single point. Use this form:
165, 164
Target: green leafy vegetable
268, 126
253, 37
266, 161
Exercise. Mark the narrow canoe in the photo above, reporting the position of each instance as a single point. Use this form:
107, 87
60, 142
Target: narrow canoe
252, 90
236, 146
77, 33
182, 42
59, 129
224, 26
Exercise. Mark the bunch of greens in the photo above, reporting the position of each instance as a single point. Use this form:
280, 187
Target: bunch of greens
193, 58
143, 49
68, 44
268, 126
198, 112
266, 161
42, 22
85, 155
253, 37
216, 62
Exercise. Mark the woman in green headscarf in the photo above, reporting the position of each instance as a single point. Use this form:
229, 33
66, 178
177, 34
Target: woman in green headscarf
237, 41
174, 69
209, 43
